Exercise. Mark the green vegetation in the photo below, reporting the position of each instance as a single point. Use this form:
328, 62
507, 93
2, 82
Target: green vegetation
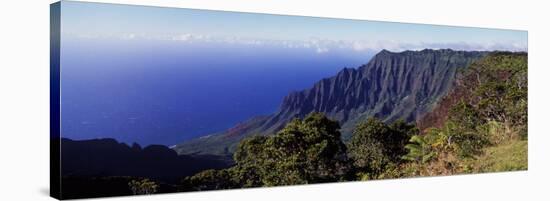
507, 157
210, 179
305, 151
143, 187
485, 130
375, 146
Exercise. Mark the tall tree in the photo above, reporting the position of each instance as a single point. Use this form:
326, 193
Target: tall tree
306, 151
374, 145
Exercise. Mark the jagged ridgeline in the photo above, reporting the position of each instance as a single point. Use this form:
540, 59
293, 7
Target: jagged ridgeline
391, 86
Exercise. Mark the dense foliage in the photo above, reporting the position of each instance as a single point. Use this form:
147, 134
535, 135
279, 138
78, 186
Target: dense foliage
305, 151
375, 145
143, 187
490, 115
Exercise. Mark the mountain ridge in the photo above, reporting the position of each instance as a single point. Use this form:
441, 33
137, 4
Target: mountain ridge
107, 157
392, 85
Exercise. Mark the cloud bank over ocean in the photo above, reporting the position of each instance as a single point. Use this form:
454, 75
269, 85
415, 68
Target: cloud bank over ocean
315, 44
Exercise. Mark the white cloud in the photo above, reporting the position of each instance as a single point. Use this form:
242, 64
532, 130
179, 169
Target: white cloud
321, 45
321, 50
182, 37
128, 36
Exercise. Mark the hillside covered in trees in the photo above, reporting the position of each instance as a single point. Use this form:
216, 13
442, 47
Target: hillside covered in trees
480, 126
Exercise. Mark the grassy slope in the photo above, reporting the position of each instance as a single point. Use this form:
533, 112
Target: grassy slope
511, 156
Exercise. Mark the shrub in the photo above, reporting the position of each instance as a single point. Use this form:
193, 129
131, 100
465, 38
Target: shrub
142, 187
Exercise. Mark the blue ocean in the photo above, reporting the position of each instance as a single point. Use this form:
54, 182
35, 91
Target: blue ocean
165, 92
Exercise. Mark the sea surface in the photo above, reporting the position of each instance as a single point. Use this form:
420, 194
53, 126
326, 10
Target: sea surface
166, 92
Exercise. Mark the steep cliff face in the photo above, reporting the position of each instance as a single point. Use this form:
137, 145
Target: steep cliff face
391, 86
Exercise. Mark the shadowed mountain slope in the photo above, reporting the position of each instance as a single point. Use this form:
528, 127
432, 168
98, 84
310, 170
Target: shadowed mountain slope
107, 157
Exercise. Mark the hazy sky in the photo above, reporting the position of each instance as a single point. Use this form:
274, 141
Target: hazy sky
112, 21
